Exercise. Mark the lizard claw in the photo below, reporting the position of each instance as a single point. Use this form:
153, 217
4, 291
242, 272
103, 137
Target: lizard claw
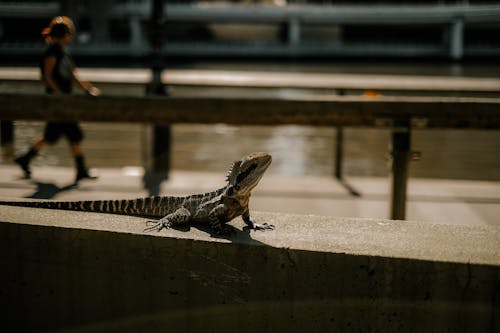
156, 225
263, 227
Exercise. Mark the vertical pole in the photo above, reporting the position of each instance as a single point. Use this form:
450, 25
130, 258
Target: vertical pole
401, 142
136, 37
457, 39
7, 138
339, 151
69, 8
99, 24
339, 146
159, 166
7, 132
294, 31
156, 86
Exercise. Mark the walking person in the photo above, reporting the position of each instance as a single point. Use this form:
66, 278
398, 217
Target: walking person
58, 75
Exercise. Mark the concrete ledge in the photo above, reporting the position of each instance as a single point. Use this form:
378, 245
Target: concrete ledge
96, 272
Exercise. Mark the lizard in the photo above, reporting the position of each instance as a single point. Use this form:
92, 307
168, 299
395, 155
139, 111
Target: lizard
215, 208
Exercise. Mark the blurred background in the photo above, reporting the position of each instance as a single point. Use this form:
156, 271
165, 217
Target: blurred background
395, 39
359, 37
116, 31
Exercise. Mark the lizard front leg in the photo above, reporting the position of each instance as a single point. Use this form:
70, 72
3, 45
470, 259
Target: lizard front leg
216, 217
180, 216
254, 225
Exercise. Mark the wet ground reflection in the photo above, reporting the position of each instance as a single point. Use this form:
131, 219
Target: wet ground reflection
459, 154
296, 150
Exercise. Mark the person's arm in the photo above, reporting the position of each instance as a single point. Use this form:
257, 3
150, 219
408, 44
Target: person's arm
48, 68
87, 86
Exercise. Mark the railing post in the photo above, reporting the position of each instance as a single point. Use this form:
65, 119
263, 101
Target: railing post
401, 143
7, 136
294, 31
158, 167
339, 151
339, 146
136, 37
457, 39
99, 21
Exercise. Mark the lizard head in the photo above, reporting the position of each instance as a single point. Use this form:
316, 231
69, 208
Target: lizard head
246, 173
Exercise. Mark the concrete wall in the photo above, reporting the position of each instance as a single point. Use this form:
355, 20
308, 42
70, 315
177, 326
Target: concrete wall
100, 273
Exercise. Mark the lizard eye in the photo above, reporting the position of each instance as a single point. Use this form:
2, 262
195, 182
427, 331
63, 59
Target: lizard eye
230, 190
245, 173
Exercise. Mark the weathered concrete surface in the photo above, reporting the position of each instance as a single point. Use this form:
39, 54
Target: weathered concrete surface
95, 272
435, 201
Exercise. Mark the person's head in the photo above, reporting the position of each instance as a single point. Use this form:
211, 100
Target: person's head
60, 30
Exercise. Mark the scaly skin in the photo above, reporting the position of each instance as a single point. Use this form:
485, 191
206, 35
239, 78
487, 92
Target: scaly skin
215, 208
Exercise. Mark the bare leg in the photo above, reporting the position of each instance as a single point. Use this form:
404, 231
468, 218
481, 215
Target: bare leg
39, 144
24, 160
76, 149
82, 171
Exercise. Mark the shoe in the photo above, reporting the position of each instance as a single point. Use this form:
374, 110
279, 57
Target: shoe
84, 174
24, 163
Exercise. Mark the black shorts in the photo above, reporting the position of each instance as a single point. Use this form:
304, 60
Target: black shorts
54, 131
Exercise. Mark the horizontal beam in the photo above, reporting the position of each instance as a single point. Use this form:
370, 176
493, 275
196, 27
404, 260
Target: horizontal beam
256, 79
32, 9
312, 14
322, 111
272, 49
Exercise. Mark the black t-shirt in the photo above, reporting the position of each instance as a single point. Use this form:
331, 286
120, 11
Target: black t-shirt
63, 70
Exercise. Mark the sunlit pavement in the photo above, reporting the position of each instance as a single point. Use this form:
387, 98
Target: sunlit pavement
431, 201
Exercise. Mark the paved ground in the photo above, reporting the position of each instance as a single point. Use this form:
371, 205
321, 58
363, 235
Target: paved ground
433, 201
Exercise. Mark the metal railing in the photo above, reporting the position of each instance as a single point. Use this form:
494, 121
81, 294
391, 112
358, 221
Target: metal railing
401, 114
449, 21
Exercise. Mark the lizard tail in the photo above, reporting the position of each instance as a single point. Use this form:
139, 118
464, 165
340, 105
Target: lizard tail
147, 207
